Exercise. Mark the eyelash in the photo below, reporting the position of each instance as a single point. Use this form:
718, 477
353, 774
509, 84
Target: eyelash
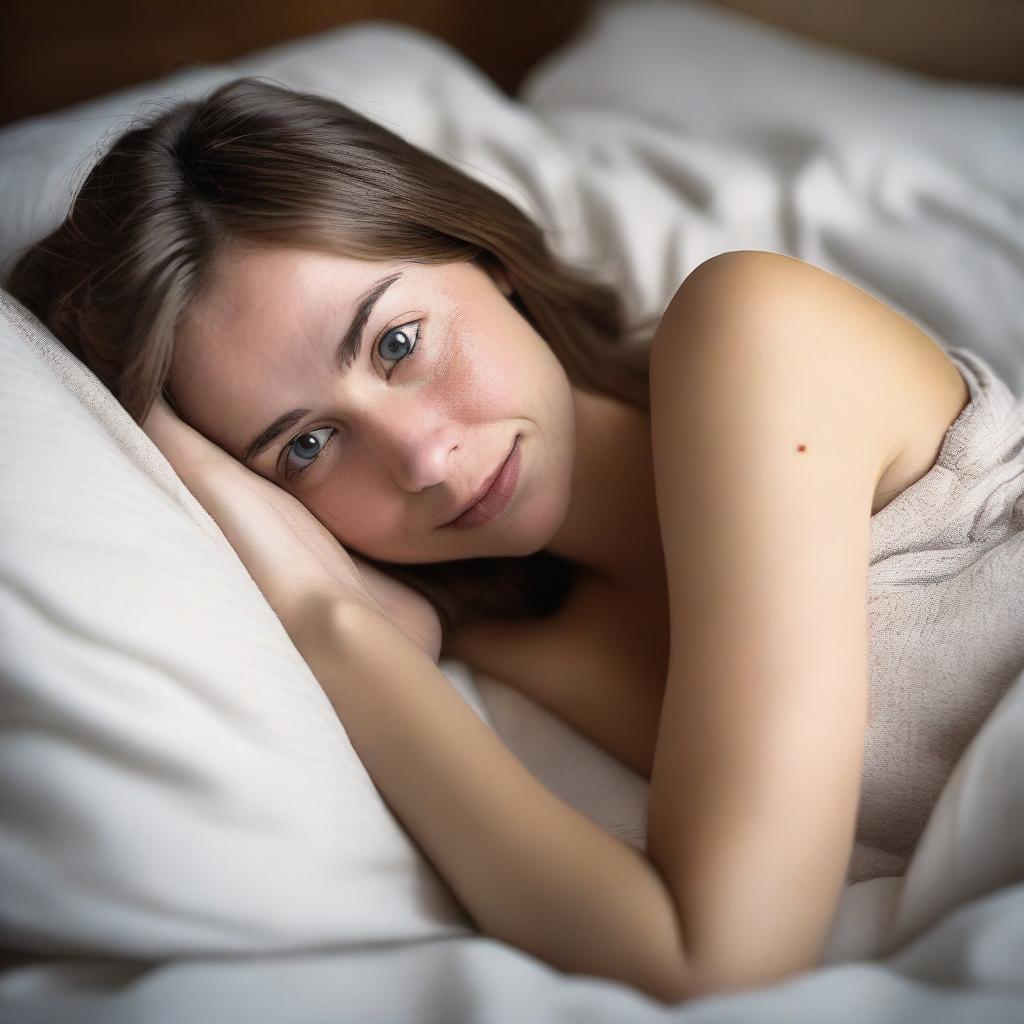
286, 450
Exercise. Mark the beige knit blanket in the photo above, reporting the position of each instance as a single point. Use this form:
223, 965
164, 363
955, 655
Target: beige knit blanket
945, 616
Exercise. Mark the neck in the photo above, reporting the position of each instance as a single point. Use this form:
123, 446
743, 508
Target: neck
611, 527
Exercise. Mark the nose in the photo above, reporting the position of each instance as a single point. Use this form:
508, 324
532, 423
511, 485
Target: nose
412, 443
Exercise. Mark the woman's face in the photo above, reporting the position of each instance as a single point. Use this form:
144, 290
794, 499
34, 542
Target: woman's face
387, 449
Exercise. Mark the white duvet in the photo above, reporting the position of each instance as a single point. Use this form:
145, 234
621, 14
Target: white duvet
666, 133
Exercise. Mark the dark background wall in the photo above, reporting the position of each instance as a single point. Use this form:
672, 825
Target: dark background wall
56, 52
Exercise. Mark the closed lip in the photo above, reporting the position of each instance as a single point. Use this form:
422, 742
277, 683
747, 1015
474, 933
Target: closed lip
486, 486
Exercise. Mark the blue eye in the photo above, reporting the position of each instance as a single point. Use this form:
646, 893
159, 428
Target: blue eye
310, 450
396, 344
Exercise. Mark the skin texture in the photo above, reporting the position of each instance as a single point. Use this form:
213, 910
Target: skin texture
408, 452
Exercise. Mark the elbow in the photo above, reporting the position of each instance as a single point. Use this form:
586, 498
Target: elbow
683, 987
730, 960
674, 992
691, 983
732, 977
728, 968
723, 975
668, 979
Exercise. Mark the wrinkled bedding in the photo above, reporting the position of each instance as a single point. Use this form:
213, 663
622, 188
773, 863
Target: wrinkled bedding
664, 134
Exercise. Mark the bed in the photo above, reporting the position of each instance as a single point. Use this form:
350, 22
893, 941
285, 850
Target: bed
186, 832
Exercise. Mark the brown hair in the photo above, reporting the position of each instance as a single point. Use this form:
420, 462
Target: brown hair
258, 161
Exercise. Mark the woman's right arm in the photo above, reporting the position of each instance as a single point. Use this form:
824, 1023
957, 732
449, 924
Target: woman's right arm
529, 869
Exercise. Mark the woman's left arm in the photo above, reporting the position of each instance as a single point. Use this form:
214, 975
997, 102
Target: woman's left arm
775, 397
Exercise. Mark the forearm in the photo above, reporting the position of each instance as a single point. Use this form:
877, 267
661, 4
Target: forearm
529, 869
295, 561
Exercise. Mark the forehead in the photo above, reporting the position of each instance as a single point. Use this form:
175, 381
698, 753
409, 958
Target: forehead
263, 315
271, 291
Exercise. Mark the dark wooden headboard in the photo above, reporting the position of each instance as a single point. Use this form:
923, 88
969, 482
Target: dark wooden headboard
57, 52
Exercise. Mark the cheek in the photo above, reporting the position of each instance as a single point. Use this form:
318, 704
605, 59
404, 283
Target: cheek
473, 381
354, 509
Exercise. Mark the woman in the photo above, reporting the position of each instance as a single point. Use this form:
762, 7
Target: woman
359, 341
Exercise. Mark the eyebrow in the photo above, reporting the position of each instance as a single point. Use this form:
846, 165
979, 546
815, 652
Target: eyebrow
346, 354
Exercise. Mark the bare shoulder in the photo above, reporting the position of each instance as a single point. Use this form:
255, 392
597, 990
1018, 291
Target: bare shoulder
838, 339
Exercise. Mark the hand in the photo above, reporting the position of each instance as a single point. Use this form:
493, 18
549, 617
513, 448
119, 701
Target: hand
297, 563
189, 452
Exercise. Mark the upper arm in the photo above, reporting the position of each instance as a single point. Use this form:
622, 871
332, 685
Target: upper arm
768, 383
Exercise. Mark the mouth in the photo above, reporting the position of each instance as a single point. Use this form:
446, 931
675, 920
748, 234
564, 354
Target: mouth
495, 494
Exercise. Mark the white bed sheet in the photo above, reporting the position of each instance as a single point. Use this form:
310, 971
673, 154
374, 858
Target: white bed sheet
686, 132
